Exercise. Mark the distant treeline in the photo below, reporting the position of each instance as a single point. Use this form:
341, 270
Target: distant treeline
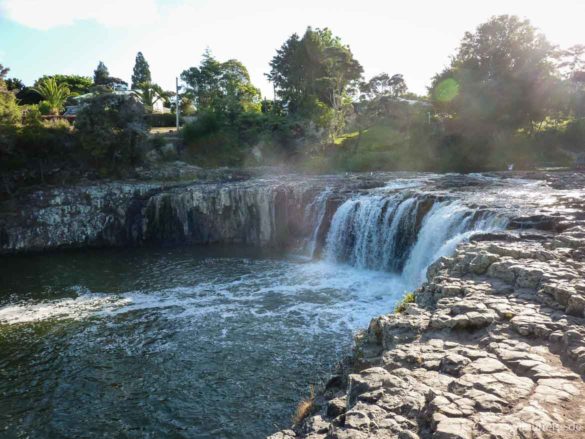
508, 97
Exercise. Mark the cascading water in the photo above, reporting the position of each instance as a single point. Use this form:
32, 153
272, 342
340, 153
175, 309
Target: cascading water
443, 228
403, 234
372, 232
314, 215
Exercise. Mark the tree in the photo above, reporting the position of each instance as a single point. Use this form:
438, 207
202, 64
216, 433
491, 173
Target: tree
384, 85
240, 95
111, 129
101, 74
76, 84
150, 94
501, 79
53, 93
14, 84
141, 72
572, 61
3, 72
572, 66
313, 70
116, 83
221, 87
9, 111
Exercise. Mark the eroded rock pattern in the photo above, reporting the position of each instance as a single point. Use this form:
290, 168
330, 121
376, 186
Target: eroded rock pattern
119, 214
494, 347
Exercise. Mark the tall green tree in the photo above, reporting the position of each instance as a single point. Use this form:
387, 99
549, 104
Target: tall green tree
572, 60
9, 111
221, 87
111, 129
141, 72
315, 70
502, 78
53, 93
14, 84
101, 74
384, 85
571, 63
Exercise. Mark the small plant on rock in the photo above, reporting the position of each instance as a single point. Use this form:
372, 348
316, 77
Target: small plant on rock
305, 407
401, 307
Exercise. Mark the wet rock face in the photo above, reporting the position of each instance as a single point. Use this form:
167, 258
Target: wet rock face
261, 215
494, 347
128, 214
71, 217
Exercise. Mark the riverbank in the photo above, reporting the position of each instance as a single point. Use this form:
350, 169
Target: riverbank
492, 347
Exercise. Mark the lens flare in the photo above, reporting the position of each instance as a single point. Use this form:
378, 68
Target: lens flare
447, 90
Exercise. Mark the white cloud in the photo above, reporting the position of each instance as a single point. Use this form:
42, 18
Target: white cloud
45, 14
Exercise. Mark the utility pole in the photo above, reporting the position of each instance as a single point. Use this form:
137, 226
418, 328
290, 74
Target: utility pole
177, 105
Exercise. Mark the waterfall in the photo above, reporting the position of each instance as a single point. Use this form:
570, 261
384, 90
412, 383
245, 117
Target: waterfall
373, 231
443, 228
402, 233
314, 215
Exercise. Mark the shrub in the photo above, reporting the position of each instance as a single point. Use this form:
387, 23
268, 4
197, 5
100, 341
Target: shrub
111, 129
45, 108
58, 124
47, 140
401, 307
210, 142
32, 116
9, 111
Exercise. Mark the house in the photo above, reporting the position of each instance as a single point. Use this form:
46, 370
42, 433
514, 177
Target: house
158, 107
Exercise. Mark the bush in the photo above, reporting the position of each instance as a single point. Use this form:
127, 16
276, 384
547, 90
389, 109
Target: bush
111, 130
32, 116
210, 142
36, 142
58, 124
45, 108
9, 111
401, 307
161, 120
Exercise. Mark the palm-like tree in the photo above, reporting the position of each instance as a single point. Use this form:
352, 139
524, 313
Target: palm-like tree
53, 93
150, 94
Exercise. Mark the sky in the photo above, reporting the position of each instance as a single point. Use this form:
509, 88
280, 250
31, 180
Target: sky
415, 37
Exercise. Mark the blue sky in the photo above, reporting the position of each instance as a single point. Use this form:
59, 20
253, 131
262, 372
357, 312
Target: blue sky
414, 38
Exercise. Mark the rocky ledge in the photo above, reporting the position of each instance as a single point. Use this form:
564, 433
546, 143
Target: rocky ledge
494, 347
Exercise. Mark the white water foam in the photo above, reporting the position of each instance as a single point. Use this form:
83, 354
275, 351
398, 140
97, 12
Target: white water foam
445, 226
324, 296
